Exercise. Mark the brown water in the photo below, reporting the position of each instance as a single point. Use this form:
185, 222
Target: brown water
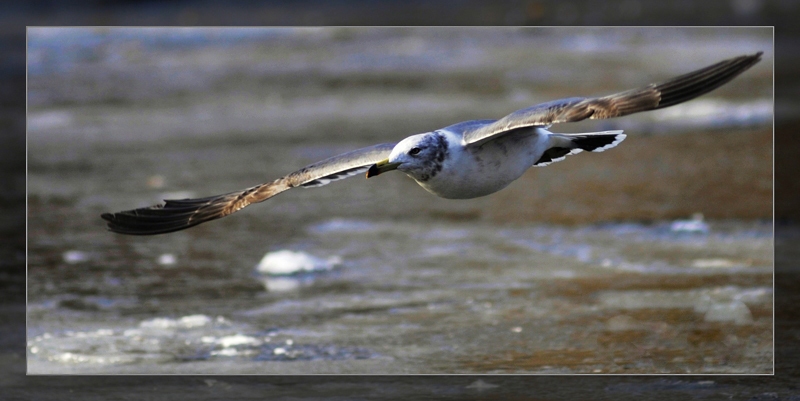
424, 285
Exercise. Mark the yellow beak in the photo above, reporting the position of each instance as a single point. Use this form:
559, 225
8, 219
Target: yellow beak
381, 167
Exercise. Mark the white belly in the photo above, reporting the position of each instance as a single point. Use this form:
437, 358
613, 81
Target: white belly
486, 169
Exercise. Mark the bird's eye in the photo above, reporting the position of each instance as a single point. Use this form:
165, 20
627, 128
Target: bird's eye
414, 151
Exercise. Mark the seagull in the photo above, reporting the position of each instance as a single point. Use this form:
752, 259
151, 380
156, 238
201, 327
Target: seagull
462, 161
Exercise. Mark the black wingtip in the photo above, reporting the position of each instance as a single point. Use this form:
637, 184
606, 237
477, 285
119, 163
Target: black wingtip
704, 80
109, 218
150, 221
173, 215
754, 58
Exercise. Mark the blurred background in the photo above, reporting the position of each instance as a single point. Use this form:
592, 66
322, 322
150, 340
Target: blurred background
751, 13
664, 243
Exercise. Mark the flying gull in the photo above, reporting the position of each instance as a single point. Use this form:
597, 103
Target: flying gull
462, 161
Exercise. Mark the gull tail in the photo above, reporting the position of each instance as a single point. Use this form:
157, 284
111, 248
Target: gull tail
563, 145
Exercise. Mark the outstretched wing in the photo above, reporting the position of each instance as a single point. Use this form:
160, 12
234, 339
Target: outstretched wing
650, 97
177, 215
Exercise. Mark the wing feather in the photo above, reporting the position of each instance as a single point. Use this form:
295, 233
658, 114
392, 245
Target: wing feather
179, 214
649, 97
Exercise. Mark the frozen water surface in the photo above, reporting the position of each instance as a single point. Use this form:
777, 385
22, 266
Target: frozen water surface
433, 296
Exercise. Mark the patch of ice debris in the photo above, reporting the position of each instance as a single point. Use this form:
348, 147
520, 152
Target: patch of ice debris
286, 262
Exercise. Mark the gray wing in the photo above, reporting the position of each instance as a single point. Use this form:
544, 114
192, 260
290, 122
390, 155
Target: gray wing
175, 215
650, 97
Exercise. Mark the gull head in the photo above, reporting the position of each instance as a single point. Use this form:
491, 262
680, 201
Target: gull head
420, 156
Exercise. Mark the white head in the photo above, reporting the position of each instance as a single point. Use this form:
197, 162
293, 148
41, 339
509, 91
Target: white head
420, 156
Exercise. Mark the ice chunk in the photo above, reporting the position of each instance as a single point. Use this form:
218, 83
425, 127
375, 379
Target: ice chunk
237, 339
225, 352
735, 311
72, 257
281, 284
167, 259
158, 323
184, 322
754, 295
49, 120
695, 225
289, 262
195, 320
715, 263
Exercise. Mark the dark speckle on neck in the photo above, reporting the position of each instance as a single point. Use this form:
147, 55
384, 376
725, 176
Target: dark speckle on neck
438, 143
